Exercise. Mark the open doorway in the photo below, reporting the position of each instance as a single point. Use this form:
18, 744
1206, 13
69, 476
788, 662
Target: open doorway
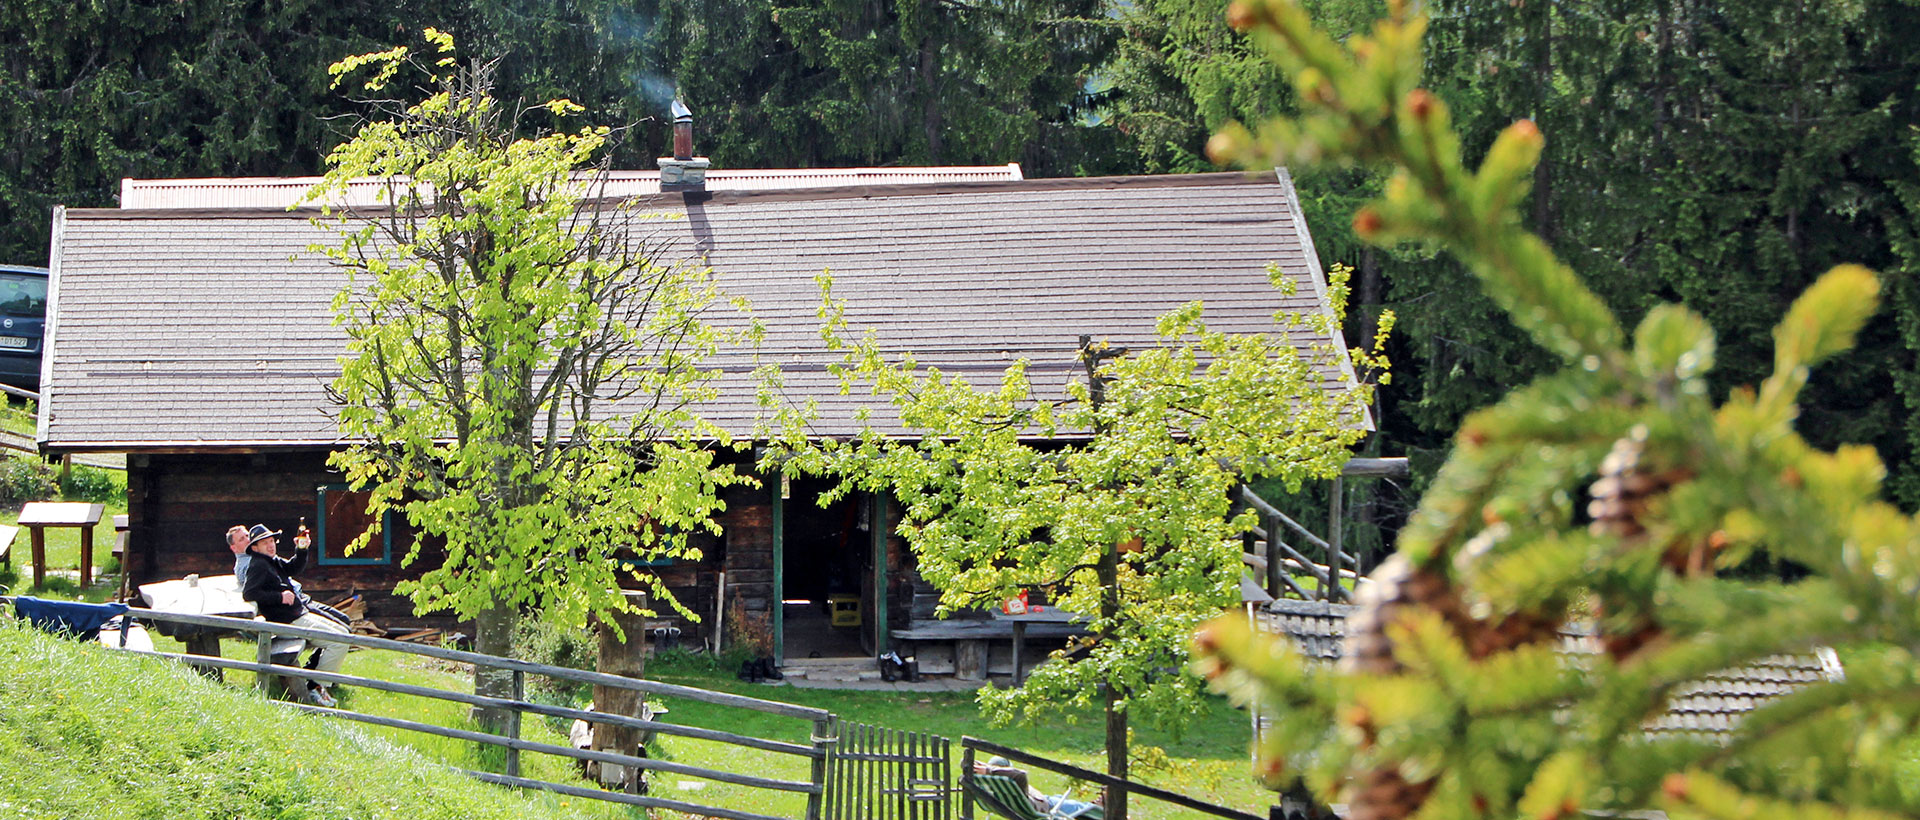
824, 573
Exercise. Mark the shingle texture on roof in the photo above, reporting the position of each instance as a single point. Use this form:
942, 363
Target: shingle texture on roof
1707, 708
175, 329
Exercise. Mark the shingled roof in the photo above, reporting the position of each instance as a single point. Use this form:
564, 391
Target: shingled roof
285, 192
1708, 708
168, 327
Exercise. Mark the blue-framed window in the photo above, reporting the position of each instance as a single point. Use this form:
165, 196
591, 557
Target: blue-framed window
340, 515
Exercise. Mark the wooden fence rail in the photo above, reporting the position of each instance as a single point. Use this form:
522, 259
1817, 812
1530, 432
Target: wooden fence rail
823, 738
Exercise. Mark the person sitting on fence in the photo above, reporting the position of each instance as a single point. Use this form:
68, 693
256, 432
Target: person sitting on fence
270, 587
1053, 807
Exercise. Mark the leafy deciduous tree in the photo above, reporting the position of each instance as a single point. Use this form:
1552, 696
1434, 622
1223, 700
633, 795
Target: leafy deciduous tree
1115, 499
521, 371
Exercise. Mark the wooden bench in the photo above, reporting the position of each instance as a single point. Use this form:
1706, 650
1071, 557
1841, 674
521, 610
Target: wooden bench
970, 639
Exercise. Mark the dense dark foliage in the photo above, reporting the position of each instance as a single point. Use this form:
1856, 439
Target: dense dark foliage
1714, 153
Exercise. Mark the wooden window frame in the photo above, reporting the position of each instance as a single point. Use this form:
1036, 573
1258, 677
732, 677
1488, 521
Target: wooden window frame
320, 533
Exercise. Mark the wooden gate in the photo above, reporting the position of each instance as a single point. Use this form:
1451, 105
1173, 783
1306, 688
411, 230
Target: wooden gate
877, 773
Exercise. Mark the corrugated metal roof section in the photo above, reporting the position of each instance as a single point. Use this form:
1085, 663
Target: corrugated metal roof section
1707, 708
170, 327
283, 192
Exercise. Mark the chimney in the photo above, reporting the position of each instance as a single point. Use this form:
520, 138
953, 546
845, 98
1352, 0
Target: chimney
683, 171
682, 131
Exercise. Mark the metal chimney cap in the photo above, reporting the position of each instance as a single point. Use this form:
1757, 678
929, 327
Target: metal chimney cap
681, 113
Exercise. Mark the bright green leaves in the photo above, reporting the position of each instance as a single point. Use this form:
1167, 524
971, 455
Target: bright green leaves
389, 62
521, 372
1014, 484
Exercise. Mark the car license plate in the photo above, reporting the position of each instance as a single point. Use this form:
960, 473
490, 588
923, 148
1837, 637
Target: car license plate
15, 341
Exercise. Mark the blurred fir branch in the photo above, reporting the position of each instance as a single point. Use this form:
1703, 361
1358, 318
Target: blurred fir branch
1614, 492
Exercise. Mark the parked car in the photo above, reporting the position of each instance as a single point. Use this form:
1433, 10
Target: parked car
23, 318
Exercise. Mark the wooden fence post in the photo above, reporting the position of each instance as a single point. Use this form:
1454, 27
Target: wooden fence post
625, 658
1336, 526
263, 653
1275, 572
966, 773
824, 740
513, 723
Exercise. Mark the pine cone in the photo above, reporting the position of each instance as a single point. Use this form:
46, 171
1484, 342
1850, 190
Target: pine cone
1394, 587
1621, 496
1383, 794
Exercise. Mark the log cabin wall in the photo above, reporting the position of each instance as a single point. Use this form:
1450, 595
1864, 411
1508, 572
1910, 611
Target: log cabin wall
179, 506
748, 524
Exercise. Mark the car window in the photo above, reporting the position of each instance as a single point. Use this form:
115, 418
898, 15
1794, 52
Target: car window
23, 295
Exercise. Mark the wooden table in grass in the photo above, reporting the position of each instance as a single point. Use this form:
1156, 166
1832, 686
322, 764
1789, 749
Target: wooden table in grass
37, 516
1045, 615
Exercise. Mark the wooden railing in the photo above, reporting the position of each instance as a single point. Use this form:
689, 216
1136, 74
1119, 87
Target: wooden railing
1280, 554
822, 737
971, 745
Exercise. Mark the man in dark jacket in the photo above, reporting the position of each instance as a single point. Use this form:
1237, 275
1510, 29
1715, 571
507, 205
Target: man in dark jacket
270, 587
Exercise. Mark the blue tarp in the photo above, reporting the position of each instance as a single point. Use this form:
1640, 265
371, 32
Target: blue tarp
81, 620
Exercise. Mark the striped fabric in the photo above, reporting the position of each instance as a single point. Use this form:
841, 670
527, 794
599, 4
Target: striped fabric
1002, 796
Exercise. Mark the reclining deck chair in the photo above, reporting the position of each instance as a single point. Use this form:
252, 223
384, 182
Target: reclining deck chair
1006, 797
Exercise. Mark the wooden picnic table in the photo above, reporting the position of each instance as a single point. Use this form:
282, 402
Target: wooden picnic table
195, 595
1045, 615
37, 516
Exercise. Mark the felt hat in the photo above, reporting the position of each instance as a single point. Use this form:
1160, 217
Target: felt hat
259, 533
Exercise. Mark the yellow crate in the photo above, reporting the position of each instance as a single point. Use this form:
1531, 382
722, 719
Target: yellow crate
844, 610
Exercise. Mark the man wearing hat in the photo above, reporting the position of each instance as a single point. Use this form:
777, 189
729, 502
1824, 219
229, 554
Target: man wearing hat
270, 587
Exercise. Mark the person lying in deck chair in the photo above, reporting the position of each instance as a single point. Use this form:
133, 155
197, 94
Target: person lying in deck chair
1003, 790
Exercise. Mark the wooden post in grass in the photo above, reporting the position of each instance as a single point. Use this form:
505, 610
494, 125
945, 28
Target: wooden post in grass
826, 735
263, 654
512, 767
625, 658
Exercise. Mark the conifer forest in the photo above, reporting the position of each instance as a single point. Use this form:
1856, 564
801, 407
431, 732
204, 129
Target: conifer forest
1716, 153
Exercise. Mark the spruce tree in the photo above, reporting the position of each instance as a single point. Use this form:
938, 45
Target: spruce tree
1613, 492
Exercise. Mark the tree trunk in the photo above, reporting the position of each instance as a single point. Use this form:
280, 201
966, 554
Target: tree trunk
930, 120
1116, 803
1543, 77
627, 659
493, 635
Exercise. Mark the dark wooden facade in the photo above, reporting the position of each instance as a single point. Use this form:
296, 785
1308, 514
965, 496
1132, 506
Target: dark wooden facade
180, 505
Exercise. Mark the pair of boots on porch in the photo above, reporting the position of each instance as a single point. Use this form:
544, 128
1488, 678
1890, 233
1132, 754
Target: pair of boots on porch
755, 670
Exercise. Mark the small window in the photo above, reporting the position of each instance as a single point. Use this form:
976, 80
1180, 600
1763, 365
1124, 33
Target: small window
341, 516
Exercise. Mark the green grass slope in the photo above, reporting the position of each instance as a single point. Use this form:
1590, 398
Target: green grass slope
90, 732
